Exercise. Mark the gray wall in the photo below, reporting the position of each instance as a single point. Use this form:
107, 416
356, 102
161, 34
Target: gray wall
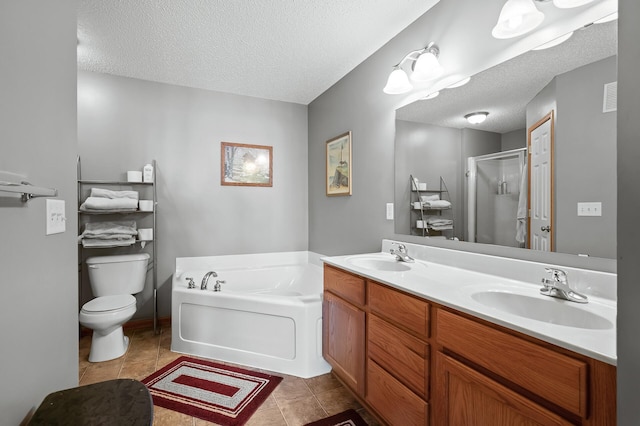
514, 140
38, 308
628, 204
123, 123
585, 154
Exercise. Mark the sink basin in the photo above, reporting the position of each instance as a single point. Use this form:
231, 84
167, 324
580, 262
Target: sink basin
376, 263
549, 310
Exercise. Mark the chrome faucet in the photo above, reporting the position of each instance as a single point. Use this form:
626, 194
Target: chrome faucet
558, 286
217, 287
190, 282
205, 279
401, 253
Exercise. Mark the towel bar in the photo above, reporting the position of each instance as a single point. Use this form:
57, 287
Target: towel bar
11, 182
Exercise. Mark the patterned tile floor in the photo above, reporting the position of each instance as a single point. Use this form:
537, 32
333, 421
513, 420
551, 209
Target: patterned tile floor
294, 402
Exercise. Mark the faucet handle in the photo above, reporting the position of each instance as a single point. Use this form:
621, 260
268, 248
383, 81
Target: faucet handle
401, 247
558, 275
217, 287
191, 283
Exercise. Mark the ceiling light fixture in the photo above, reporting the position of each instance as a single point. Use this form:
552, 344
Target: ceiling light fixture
476, 117
425, 67
517, 17
568, 4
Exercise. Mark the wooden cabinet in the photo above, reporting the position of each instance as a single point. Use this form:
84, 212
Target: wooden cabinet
343, 335
468, 398
415, 362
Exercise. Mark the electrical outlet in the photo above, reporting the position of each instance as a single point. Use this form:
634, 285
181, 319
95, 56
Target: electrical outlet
590, 209
55, 216
389, 211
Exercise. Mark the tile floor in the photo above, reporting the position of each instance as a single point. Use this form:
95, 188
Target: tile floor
294, 402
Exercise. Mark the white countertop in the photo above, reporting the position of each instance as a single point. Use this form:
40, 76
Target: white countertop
454, 287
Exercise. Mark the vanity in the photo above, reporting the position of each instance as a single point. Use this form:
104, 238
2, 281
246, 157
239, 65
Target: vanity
450, 342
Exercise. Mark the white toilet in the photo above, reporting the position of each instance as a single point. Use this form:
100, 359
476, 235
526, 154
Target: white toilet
114, 280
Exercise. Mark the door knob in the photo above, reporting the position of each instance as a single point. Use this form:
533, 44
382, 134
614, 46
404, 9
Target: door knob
545, 228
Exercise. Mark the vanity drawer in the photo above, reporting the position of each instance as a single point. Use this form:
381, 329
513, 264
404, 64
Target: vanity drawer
404, 356
394, 402
405, 310
349, 287
558, 378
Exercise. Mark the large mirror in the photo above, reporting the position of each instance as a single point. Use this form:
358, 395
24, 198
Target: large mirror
493, 178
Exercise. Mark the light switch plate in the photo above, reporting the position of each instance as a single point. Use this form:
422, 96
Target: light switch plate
590, 209
389, 211
55, 216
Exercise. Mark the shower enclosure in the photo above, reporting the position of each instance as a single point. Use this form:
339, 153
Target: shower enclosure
494, 183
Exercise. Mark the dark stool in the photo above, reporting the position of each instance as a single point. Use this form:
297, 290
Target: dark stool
114, 402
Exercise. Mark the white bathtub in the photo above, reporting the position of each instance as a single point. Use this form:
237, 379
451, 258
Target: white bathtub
268, 314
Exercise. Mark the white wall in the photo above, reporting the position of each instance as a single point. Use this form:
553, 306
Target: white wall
123, 123
38, 288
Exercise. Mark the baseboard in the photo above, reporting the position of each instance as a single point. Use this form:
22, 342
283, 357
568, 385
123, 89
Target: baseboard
134, 325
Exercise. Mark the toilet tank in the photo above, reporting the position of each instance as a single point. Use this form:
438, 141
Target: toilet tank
121, 274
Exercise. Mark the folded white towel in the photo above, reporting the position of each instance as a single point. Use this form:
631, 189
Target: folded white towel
92, 242
437, 204
107, 193
99, 203
97, 229
425, 198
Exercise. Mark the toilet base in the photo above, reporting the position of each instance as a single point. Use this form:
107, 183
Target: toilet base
110, 346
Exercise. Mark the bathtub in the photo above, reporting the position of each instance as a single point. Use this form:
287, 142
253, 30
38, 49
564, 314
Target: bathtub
267, 315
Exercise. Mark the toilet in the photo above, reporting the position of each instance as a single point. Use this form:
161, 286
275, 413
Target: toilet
114, 280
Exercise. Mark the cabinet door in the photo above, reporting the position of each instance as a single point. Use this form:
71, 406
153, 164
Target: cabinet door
343, 340
465, 397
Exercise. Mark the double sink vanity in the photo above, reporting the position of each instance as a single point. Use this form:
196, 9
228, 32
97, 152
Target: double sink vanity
446, 337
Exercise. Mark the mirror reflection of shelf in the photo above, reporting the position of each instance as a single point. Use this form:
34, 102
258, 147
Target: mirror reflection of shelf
425, 219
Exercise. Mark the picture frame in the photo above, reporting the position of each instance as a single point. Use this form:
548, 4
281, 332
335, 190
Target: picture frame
339, 171
245, 164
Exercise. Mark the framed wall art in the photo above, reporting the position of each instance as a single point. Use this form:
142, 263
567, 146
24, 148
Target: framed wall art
246, 165
339, 172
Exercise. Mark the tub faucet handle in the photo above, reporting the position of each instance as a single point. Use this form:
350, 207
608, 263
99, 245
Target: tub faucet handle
190, 283
217, 287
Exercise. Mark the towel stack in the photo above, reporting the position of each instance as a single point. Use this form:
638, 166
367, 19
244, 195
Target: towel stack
109, 234
439, 224
107, 201
436, 204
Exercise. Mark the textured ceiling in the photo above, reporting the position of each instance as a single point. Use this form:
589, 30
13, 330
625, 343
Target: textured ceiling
505, 90
288, 50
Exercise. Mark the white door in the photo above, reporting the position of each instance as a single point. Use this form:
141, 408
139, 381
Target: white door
540, 143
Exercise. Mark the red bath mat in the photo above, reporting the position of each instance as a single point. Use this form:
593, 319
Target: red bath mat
346, 418
210, 391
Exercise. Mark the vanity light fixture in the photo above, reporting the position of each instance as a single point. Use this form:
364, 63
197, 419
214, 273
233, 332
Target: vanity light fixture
430, 96
476, 117
568, 4
517, 17
425, 67
459, 83
556, 41
608, 18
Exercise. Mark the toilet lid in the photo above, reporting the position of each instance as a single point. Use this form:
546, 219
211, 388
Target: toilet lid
109, 303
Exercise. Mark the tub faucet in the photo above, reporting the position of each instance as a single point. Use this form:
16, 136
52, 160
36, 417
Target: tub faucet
401, 253
558, 286
205, 279
217, 287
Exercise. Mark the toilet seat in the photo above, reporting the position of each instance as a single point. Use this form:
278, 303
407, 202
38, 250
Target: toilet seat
110, 304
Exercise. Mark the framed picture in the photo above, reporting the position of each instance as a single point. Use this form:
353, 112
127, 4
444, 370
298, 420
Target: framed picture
338, 178
246, 165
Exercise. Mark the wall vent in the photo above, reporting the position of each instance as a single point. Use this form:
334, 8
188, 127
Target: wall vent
610, 101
